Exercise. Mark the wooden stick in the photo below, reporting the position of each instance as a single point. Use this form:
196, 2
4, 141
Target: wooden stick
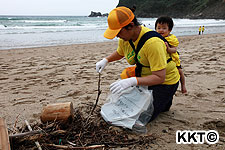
4, 138
71, 147
59, 146
19, 135
99, 92
71, 143
29, 127
14, 127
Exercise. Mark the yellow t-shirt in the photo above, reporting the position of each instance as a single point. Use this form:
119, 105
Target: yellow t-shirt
153, 56
173, 41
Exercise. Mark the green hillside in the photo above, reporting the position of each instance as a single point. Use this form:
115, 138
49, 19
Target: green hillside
178, 8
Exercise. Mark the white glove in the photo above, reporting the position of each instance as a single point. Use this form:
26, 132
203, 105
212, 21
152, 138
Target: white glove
119, 86
101, 65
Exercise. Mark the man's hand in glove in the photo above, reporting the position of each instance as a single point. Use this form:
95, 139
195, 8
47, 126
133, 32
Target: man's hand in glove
119, 86
101, 65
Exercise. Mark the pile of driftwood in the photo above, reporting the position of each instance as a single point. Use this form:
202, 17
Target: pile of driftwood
79, 130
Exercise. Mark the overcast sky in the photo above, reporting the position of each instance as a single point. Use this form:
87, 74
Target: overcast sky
55, 7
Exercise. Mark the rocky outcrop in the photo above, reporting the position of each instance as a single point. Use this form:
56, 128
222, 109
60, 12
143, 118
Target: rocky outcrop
97, 14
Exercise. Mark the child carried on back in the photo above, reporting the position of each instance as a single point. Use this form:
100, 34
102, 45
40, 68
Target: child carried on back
164, 26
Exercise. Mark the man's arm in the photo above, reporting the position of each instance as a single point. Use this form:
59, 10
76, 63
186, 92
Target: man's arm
157, 77
114, 56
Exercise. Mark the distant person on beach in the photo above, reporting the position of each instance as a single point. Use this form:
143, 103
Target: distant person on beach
200, 30
164, 26
152, 68
203, 29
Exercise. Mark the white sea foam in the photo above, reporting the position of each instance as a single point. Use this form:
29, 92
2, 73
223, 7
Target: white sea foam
27, 31
2, 26
45, 21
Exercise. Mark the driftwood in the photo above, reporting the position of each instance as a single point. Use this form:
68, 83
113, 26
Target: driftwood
34, 135
57, 112
71, 147
4, 138
81, 134
29, 127
21, 135
99, 92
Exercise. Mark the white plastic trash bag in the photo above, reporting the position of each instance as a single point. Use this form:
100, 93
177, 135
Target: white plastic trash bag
132, 109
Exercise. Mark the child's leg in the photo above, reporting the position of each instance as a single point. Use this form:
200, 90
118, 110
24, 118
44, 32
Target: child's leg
182, 81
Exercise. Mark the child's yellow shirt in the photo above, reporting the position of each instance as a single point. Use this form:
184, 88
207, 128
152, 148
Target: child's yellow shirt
173, 41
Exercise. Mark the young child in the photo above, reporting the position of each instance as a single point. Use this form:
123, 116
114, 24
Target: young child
203, 29
199, 30
164, 26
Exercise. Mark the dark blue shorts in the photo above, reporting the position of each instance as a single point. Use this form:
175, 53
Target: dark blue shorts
163, 97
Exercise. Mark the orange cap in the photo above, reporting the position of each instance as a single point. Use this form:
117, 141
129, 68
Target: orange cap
117, 19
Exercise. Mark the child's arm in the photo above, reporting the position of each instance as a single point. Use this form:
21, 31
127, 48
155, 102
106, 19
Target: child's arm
171, 49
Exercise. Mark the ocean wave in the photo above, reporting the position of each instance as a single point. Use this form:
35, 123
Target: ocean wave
3, 26
56, 26
44, 30
46, 27
44, 21
10, 18
1, 18
26, 31
21, 32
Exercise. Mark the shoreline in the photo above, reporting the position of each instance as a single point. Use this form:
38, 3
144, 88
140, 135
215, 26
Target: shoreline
31, 78
94, 42
54, 46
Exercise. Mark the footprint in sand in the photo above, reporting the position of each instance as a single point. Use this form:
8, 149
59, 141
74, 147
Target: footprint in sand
105, 83
180, 94
179, 104
212, 59
221, 86
200, 95
218, 92
218, 125
88, 82
4, 78
24, 102
223, 100
36, 115
2, 106
71, 93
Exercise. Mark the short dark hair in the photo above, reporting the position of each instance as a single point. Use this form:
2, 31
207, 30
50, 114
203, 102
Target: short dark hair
135, 21
165, 20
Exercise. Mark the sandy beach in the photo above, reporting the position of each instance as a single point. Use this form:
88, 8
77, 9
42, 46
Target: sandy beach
31, 78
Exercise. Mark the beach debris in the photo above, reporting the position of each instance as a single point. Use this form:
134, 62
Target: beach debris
99, 92
69, 147
22, 135
30, 129
80, 134
4, 138
57, 112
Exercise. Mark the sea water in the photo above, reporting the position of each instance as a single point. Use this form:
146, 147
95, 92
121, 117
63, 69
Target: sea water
38, 31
